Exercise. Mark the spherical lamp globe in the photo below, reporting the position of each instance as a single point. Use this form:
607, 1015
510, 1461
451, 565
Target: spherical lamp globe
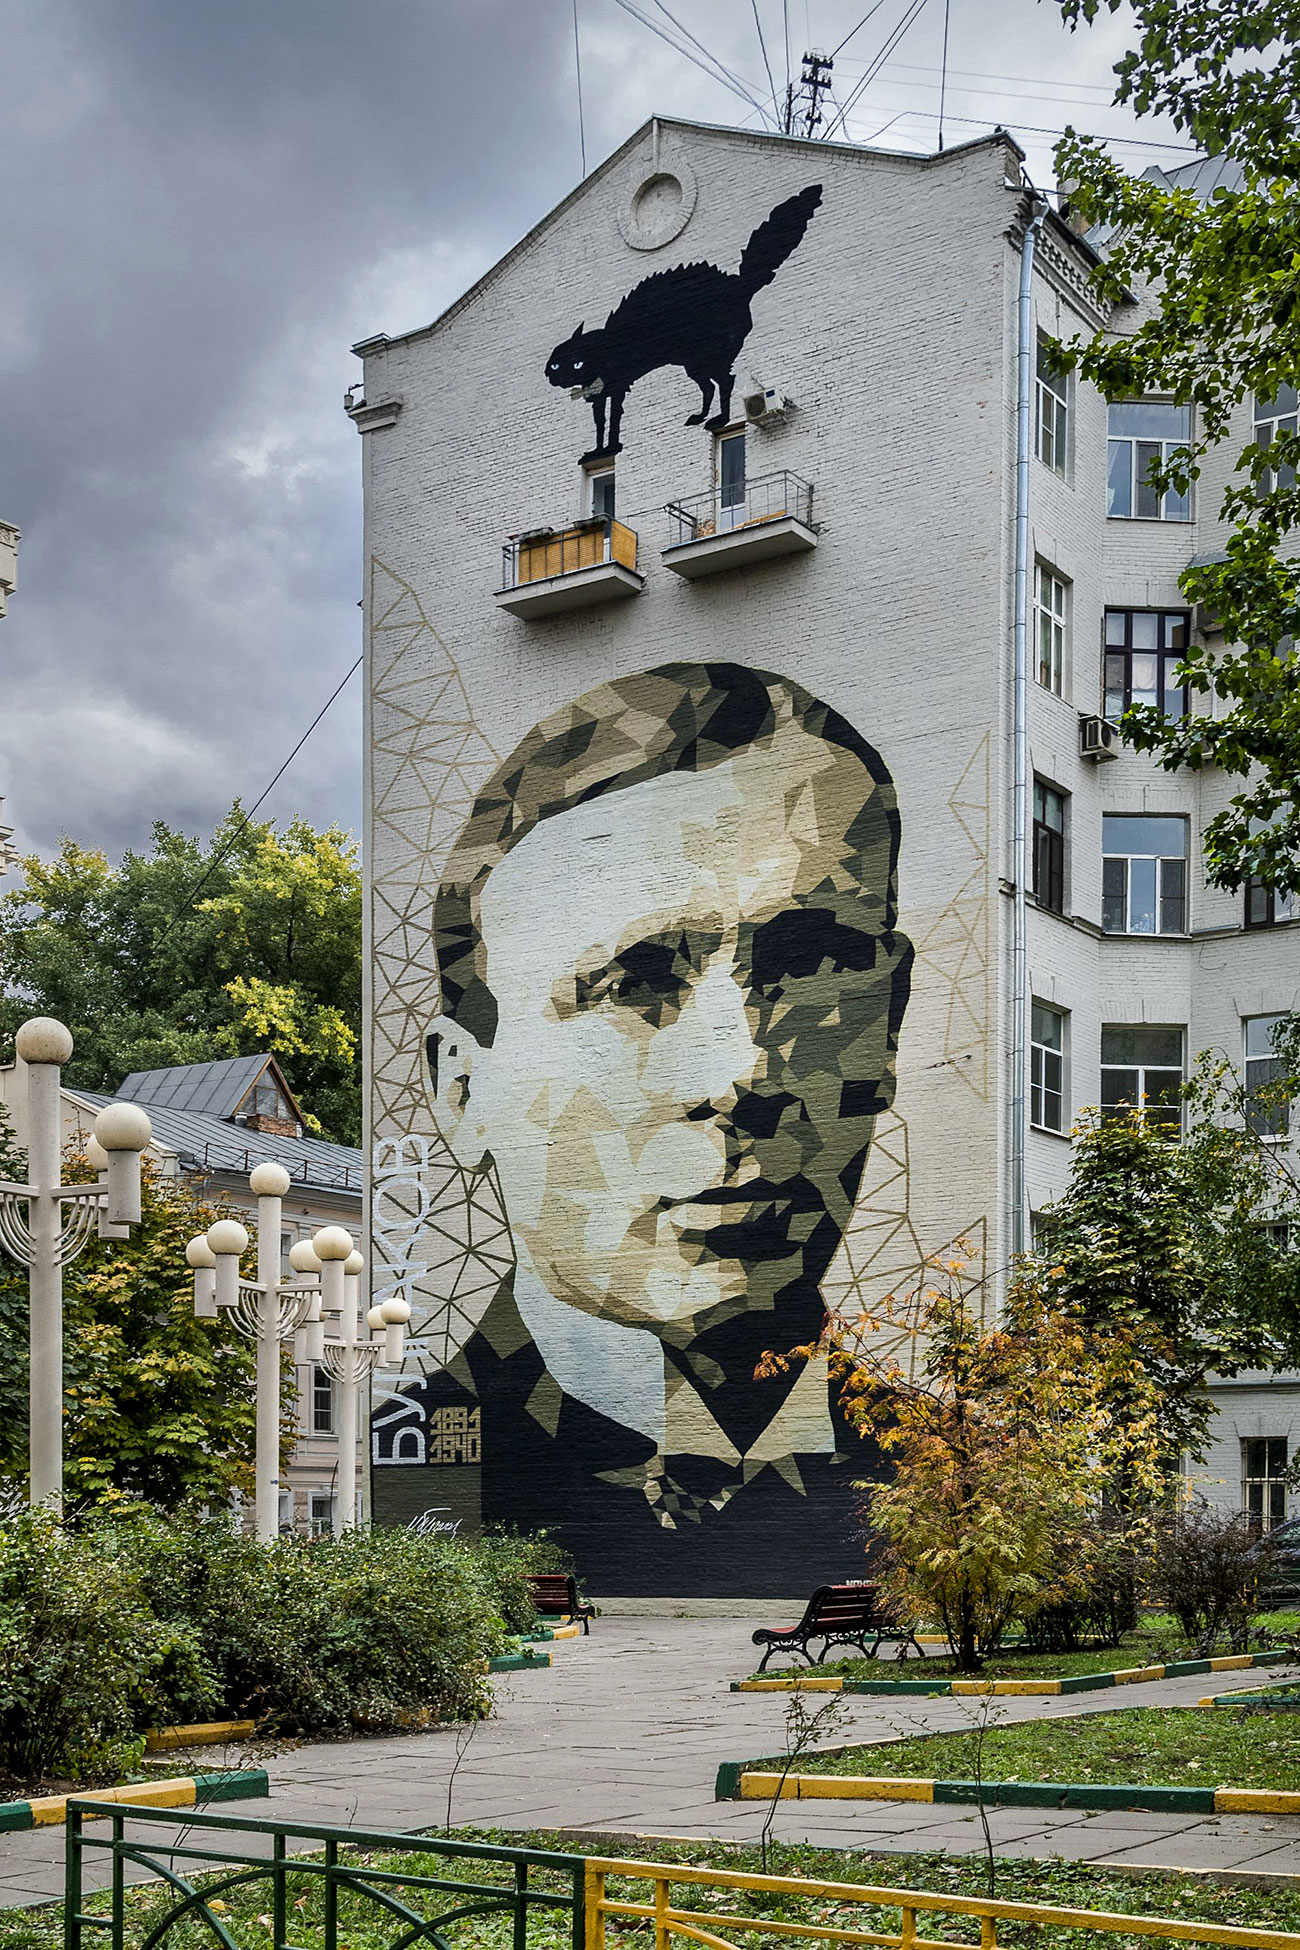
43, 1040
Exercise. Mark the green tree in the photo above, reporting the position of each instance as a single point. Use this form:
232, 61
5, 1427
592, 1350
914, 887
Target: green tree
158, 1405
1220, 280
189, 952
1160, 1256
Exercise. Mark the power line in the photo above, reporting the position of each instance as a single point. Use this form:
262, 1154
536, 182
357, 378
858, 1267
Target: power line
247, 818
856, 30
762, 48
943, 77
892, 40
577, 69
721, 66
715, 71
1030, 128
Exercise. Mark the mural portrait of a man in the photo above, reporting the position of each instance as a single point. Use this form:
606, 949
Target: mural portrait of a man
671, 988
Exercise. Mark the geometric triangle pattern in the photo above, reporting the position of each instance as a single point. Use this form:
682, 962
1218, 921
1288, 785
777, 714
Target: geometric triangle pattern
438, 1234
955, 951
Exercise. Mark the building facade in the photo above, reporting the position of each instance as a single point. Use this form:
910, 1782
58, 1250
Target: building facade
702, 992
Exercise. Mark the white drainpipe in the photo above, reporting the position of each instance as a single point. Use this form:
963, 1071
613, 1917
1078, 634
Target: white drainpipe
1020, 739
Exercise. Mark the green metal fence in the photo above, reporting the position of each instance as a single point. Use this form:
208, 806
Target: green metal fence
323, 1885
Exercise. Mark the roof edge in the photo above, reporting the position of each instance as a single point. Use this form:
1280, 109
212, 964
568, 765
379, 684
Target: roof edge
380, 341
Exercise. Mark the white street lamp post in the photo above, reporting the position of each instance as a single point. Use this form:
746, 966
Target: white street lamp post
345, 1356
56, 1225
264, 1311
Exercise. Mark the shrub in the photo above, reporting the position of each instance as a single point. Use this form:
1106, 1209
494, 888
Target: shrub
1089, 1589
1208, 1569
134, 1620
74, 1639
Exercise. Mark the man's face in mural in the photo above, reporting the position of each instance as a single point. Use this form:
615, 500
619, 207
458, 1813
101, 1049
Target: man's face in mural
692, 1040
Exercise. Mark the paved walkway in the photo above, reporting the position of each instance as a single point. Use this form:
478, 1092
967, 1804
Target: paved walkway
625, 1732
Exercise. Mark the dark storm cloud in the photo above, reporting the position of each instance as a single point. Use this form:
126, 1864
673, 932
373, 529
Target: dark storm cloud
204, 203
204, 206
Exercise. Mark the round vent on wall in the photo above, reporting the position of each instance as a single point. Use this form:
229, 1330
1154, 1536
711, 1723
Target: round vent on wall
658, 206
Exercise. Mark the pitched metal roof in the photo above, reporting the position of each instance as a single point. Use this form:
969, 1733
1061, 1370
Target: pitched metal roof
205, 1143
216, 1088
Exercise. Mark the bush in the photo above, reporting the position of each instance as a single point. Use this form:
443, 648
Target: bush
1208, 1570
74, 1634
137, 1621
1089, 1591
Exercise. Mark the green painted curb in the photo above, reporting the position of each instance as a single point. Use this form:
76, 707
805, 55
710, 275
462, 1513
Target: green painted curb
725, 1788
239, 1784
930, 1688
520, 1662
1079, 1682
15, 1815
1078, 1794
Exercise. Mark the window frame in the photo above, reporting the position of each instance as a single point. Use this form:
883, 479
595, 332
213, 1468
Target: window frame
1161, 897
1261, 892
1266, 417
1168, 657
1042, 1059
322, 1401
1271, 1122
1272, 1486
599, 472
1184, 512
1052, 428
1167, 1115
1047, 848
1052, 623
320, 1522
731, 513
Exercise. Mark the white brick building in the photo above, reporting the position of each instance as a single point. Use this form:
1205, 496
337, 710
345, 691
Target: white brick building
856, 536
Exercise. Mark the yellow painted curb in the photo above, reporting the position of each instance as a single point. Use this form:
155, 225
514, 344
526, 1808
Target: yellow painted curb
835, 1787
1232, 1662
1255, 1801
824, 1683
1004, 1688
207, 1735
51, 1809
566, 1631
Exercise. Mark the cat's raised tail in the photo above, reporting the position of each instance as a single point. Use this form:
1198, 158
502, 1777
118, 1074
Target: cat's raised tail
776, 238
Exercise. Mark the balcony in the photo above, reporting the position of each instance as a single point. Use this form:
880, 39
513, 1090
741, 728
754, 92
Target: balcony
552, 569
772, 517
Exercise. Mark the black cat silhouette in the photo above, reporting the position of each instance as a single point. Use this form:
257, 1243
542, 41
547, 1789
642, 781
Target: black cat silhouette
694, 316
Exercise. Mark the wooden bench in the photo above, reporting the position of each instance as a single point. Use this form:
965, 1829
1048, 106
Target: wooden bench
840, 1614
555, 1595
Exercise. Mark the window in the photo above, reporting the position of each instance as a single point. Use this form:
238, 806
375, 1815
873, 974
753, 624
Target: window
1050, 600
1143, 433
1274, 417
1052, 411
731, 480
1142, 1069
266, 1099
1263, 1480
1143, 874
284, 1521
1143, 650
320, 1511
600, 492
1265, 904
1269, 1117
1047, 1068
322, 1402
1049, 847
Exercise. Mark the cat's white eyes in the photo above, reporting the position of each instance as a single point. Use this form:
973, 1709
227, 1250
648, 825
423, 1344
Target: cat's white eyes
577, 365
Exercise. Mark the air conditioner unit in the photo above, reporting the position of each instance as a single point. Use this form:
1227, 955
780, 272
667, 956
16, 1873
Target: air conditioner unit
765, 407
1098, 738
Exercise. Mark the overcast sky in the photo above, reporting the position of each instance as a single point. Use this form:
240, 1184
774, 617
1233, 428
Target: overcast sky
204, 204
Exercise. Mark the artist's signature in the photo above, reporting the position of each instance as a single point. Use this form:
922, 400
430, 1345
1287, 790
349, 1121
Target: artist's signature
434, 1523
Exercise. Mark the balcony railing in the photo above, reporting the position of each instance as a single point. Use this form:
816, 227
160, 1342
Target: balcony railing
772, 497
546, 552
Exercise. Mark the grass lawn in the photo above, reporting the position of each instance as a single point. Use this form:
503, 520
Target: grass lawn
1145, 1746
1075, 1886
1157, 1641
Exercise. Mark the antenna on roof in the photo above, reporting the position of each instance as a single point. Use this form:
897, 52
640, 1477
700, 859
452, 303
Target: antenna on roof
803, 102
